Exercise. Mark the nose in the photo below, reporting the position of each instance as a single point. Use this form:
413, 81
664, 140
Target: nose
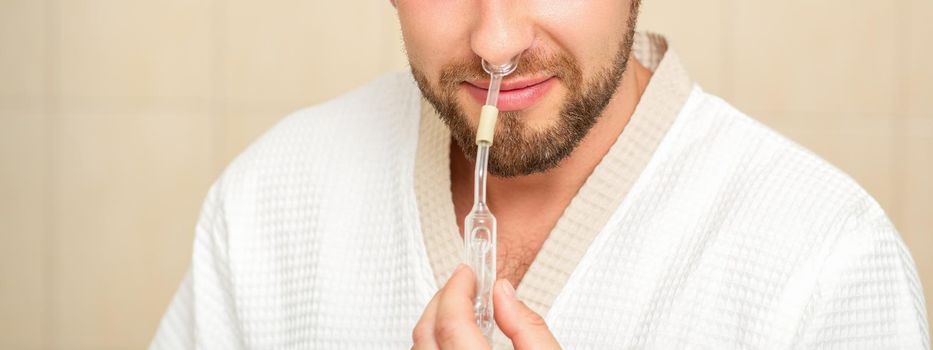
503, 31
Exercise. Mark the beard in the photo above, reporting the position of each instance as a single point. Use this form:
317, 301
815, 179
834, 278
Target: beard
519, 149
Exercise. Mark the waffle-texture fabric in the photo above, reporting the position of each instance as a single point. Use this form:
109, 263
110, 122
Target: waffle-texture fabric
732, 237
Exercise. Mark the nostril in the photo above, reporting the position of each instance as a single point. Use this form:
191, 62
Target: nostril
501, 69
499, 38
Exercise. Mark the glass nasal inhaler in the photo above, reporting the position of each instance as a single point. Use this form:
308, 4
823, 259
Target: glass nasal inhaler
479, 227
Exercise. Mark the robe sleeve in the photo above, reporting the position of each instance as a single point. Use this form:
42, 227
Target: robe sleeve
869, 295
203, 312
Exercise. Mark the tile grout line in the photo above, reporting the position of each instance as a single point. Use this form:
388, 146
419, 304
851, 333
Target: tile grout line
53, 110
726, 27
217, 108
901, 51
901, 100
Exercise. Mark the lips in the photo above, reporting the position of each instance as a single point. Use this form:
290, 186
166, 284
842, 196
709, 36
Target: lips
514, 95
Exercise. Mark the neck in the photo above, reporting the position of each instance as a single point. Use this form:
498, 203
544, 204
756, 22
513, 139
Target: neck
557, 186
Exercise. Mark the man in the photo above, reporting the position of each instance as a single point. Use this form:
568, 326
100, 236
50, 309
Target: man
634, 209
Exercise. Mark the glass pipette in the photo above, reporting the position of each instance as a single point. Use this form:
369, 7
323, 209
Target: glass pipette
479, 227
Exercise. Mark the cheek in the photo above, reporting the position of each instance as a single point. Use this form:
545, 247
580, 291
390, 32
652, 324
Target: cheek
589, 30
435, 32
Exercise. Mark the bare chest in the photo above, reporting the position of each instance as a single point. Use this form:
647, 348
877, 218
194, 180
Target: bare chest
516, 251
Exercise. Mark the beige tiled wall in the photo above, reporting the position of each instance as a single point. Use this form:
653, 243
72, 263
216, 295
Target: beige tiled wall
116, 115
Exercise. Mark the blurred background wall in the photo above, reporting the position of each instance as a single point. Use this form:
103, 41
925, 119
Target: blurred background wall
116, 116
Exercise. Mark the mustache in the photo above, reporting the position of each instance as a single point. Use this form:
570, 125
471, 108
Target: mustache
532, 62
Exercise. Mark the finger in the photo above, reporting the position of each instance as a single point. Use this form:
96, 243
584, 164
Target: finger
522, 325
423, 334
455, 326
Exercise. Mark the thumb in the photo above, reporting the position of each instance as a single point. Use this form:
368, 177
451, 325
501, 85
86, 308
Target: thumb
523, 326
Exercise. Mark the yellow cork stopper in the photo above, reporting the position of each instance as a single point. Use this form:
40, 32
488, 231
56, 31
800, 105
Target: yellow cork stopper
487, 124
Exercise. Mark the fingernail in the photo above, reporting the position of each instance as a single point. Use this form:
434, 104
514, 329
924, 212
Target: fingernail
459, 267
508, 289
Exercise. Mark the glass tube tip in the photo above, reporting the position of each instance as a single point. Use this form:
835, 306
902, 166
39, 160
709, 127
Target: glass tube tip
501, 69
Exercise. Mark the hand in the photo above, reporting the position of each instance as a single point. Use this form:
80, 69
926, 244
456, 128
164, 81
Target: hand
447, 321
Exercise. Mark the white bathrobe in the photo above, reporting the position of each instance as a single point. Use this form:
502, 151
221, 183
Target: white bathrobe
730, 236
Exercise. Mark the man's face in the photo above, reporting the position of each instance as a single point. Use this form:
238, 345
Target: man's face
572, 56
